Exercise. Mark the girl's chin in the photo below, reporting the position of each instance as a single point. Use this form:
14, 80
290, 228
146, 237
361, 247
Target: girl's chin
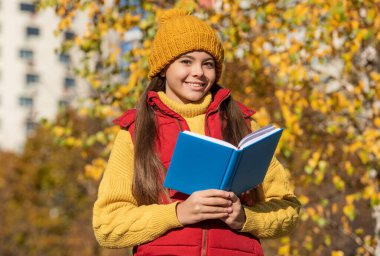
194, 97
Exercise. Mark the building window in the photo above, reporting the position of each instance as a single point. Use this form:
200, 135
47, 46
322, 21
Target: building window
69, 82
26, 102
26, 54
64, 58
124, 3
27, 7
69, 35
32, 31
63, 103
30, 126
32, 79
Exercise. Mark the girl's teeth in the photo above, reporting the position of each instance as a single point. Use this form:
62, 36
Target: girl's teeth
196, 85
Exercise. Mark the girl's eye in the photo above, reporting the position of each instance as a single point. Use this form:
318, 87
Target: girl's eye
209, 64
185, 61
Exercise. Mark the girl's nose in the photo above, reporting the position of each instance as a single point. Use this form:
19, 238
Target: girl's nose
197, 70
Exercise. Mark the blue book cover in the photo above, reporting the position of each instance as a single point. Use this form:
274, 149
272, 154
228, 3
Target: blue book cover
200, 162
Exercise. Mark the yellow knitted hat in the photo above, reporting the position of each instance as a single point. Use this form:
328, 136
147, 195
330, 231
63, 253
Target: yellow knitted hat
179, 33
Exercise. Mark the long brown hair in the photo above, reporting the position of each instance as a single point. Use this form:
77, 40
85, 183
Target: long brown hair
149, 171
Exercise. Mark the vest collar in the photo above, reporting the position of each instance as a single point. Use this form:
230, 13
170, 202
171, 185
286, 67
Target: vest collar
219, 94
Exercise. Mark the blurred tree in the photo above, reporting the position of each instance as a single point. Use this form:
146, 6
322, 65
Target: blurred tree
45, 199
312, 67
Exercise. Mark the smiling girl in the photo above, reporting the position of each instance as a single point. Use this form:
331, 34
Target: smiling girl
133, 208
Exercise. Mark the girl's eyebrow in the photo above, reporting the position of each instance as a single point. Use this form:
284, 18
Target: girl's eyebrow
191, 57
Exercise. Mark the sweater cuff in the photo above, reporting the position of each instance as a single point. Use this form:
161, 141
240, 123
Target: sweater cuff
245, 226
249, 225
170, 215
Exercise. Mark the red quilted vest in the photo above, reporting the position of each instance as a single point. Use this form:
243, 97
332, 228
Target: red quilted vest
212, 237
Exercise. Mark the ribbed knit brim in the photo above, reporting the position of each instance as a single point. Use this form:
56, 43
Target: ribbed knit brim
180, 33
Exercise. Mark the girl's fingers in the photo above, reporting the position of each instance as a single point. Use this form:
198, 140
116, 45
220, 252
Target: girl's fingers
215, 201
205, 204
202, 209
234, 197
214, 216
214, 193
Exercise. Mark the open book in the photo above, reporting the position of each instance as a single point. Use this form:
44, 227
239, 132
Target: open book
200, 162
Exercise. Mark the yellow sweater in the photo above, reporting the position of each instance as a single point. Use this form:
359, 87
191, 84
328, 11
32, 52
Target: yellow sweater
118, 221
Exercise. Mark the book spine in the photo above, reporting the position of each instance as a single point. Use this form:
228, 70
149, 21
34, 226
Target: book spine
230, 171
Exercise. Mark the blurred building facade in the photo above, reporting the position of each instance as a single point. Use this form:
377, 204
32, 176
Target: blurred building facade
35, 81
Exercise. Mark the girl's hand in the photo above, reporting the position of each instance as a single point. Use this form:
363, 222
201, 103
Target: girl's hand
236, 218
246, 197
205, 205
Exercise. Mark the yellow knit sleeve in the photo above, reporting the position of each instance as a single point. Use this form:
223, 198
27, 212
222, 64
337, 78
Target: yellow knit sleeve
117, 220
278, 214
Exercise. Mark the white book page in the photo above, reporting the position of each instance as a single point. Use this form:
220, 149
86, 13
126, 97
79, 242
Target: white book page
217, 141
258, 135
255, 134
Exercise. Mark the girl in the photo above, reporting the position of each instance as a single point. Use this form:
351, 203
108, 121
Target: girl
133, 208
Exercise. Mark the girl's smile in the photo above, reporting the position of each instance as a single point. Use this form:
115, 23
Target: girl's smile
190, 77
196, 85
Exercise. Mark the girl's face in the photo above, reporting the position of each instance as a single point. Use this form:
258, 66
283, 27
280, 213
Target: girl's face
190, 77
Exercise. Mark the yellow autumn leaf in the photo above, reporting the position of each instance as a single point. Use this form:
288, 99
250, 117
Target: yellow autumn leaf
269, 8
349, 168
93, 172
70, 141
350, 198
310, 211
78, 41
248, 89
61, 11
99, 162
58, 131
262, 117
123, 90
376, 122
327, 240
339, 183
284, 250
349, 211
107, 111
364, 156
304, 199
308, 243
215, 19
337, 253
313, 161
83, 111
274, 59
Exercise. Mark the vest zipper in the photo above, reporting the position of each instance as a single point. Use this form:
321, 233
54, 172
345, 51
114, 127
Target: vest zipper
204, 240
